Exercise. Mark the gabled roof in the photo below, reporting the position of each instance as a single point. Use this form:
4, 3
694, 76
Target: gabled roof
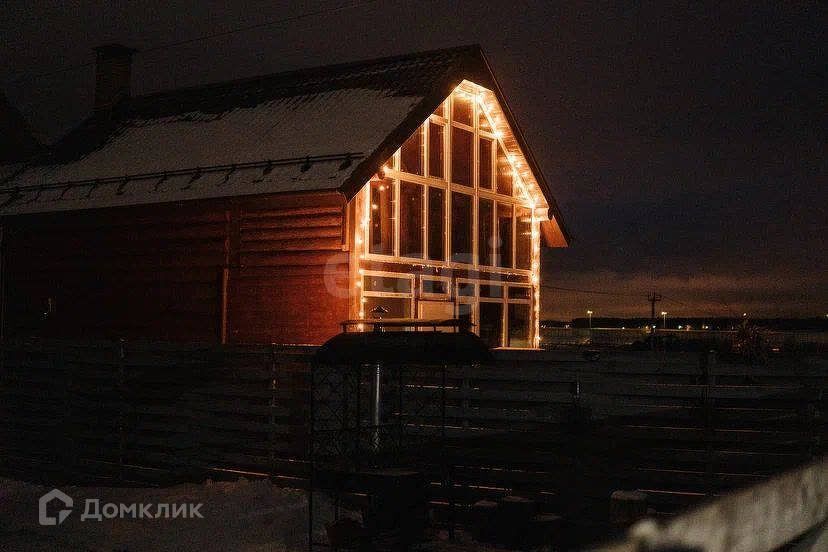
323, 128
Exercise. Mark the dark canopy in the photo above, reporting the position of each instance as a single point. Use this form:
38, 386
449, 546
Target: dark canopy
403, 347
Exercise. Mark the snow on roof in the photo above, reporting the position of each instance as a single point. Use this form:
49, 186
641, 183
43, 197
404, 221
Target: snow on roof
313, 174
336, 112
329, 123
325, 128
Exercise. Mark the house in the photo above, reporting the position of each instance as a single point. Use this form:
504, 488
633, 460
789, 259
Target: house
270, 209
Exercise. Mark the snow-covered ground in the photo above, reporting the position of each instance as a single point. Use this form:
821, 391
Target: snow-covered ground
239, 516
243, 515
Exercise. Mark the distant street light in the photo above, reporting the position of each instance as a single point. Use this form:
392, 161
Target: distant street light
589, 313
664, 316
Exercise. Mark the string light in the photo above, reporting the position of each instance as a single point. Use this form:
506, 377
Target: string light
524, 191
478, 94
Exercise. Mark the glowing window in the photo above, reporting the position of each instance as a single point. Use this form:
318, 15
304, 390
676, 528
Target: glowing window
485, 231
461, 227
381, 241
461, 156
411, 153
411, 219
436, 224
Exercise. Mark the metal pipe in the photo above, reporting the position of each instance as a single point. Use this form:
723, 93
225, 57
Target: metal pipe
376, 407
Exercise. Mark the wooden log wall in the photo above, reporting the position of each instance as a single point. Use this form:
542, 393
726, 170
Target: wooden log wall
241, 270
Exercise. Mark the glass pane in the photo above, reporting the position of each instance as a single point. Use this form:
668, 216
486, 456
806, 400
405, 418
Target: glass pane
491, 322
485, 231
504, 173
435, 150
518, 326
462, 110
485, 178
461, 156
387, 284
436, 224
492, 291
503, 243
523, 239
411, 153
439, 287
411, 219
382, 217
518, 293
465, 289
483, 121
461, 228
464, 314
397, 307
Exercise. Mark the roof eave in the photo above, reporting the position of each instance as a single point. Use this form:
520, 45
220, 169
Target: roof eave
473, 67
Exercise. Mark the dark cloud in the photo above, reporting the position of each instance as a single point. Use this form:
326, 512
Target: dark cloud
686, 145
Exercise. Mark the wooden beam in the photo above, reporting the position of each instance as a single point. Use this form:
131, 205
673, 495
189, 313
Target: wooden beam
761, 518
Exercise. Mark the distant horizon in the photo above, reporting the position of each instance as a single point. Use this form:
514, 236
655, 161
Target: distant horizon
813, 323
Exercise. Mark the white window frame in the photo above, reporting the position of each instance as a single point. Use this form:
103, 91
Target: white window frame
435, 296
389, 294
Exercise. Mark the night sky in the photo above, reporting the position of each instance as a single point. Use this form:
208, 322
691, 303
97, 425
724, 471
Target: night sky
686, 147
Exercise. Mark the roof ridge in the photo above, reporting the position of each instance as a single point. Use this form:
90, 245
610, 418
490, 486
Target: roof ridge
473, 48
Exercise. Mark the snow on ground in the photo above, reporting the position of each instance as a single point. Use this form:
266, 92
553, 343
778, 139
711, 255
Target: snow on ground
239, 516
247, 516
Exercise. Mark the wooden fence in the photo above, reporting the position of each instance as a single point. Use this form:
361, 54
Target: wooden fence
149, 413
563, 428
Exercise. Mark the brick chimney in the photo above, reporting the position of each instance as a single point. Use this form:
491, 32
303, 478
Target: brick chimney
113, 68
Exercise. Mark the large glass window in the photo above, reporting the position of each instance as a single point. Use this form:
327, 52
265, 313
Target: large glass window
461, 227
436, 224
503, 242
381, 240
492, 291
491, 323
485, 231
523, 238
396, 307
461, 156
485, 164
411, 219
462, 111
464, 314
518, 335
504, 173
483, 121
386, 284
411, 153
435, 150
